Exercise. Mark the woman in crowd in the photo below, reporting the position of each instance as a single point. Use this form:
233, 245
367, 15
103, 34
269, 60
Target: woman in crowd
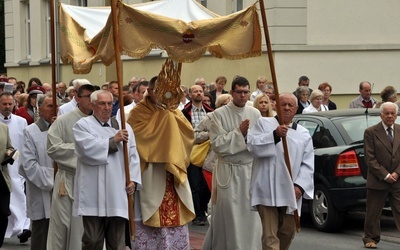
207, 99
20, 87
326, 88
261, 81
263, 104
316, 102
302, 93
388, 94
220, 84
16, 94
269, 89
29, 111
71, 92
23, 100
34, 81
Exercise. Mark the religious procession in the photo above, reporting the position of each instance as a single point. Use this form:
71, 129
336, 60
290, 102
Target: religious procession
144, 163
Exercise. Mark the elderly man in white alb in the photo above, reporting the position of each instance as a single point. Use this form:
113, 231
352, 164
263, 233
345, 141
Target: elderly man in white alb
273, 192
101, 192
38, 170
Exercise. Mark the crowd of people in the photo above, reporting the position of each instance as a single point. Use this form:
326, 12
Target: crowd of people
69, 189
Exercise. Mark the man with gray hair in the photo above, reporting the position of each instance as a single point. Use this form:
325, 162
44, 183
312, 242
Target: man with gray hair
100, 189
277, 202
65, 231
70, 106
382, 156
201, 81
37, 168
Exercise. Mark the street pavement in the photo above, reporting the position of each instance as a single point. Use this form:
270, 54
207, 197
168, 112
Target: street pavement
353, 226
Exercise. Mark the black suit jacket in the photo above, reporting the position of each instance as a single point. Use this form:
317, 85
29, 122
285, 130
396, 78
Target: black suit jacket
214, 96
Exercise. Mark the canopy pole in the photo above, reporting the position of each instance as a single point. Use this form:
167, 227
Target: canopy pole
53, 65
115, 13
278, 110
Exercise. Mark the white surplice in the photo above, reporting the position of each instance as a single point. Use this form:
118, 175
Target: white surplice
18, 220
271, 183
37, 168
233, 224
127, 111
68, 107
100, 176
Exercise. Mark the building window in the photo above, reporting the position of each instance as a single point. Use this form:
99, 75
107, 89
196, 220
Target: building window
48, 29
27, 31
237, 5
82, 3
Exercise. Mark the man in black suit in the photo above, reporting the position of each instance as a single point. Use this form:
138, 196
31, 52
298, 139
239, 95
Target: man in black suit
382, 155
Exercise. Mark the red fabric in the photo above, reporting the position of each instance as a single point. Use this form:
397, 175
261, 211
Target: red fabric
24, 113
367, 104
208, 177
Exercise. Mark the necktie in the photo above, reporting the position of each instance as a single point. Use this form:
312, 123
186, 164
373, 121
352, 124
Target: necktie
5, 117
106, 125
390, 134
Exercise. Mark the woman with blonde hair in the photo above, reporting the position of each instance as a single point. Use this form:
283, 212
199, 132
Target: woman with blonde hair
316, 102
222, 100
263, 103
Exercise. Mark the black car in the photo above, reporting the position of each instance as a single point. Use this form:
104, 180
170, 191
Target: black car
340, 169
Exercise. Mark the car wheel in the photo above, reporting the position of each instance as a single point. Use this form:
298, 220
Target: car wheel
324, 215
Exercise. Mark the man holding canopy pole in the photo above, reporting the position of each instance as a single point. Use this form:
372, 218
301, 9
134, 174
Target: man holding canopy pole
100, 191
273, 192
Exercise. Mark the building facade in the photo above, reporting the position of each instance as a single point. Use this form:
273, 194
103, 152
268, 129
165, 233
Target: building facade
341, 42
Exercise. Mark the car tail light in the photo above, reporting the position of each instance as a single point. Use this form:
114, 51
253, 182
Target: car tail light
347, 164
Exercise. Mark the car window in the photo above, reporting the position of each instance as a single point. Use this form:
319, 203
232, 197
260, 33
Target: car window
310, 126
353, 127
321, 136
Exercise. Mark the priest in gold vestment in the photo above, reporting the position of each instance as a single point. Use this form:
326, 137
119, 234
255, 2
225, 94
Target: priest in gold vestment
164, 206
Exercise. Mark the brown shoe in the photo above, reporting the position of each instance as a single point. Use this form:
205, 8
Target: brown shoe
370, 245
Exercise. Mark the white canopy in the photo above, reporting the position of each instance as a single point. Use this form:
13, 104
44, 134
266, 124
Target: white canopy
93, 19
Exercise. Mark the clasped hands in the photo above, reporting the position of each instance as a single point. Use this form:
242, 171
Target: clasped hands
393, 177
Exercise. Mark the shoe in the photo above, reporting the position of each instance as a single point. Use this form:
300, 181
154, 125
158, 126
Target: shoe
198, 222
370, 245
201, 222
24, 236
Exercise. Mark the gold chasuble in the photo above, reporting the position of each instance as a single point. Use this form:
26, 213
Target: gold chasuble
164, 139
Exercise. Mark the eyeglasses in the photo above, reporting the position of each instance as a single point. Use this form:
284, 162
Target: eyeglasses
88, 96
240, 92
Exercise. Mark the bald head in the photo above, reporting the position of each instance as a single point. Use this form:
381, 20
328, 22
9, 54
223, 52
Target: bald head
196, 94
